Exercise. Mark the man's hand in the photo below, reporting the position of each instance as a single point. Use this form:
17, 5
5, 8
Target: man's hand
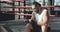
26, 20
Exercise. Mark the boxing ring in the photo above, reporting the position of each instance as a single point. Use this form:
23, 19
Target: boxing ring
26, 7
18, 23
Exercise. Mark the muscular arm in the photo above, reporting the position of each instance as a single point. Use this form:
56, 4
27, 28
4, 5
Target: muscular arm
45, 18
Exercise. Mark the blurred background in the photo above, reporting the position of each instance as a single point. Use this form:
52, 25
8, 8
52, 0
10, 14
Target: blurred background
11, 21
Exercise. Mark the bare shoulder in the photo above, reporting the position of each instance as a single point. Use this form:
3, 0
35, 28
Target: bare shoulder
45, 12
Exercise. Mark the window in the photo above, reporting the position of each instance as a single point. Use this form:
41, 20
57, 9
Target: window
57, 2
57, 8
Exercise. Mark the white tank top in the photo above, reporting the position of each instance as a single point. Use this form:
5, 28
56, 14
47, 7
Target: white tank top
39, 17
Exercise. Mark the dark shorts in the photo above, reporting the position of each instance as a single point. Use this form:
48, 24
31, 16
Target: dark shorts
36, 28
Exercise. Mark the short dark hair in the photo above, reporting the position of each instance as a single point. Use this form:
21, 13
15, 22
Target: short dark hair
36, 4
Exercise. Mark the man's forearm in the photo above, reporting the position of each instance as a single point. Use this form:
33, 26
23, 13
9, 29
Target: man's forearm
41, 23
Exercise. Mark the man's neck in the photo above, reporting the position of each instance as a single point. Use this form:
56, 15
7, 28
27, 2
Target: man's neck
39, 12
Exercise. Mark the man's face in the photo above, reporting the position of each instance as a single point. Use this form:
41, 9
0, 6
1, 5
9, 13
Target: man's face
35, 8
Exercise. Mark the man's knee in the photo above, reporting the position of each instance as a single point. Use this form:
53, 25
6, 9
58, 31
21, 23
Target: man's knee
29, 26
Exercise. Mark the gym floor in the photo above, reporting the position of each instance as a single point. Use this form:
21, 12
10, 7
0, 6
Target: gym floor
15, 26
